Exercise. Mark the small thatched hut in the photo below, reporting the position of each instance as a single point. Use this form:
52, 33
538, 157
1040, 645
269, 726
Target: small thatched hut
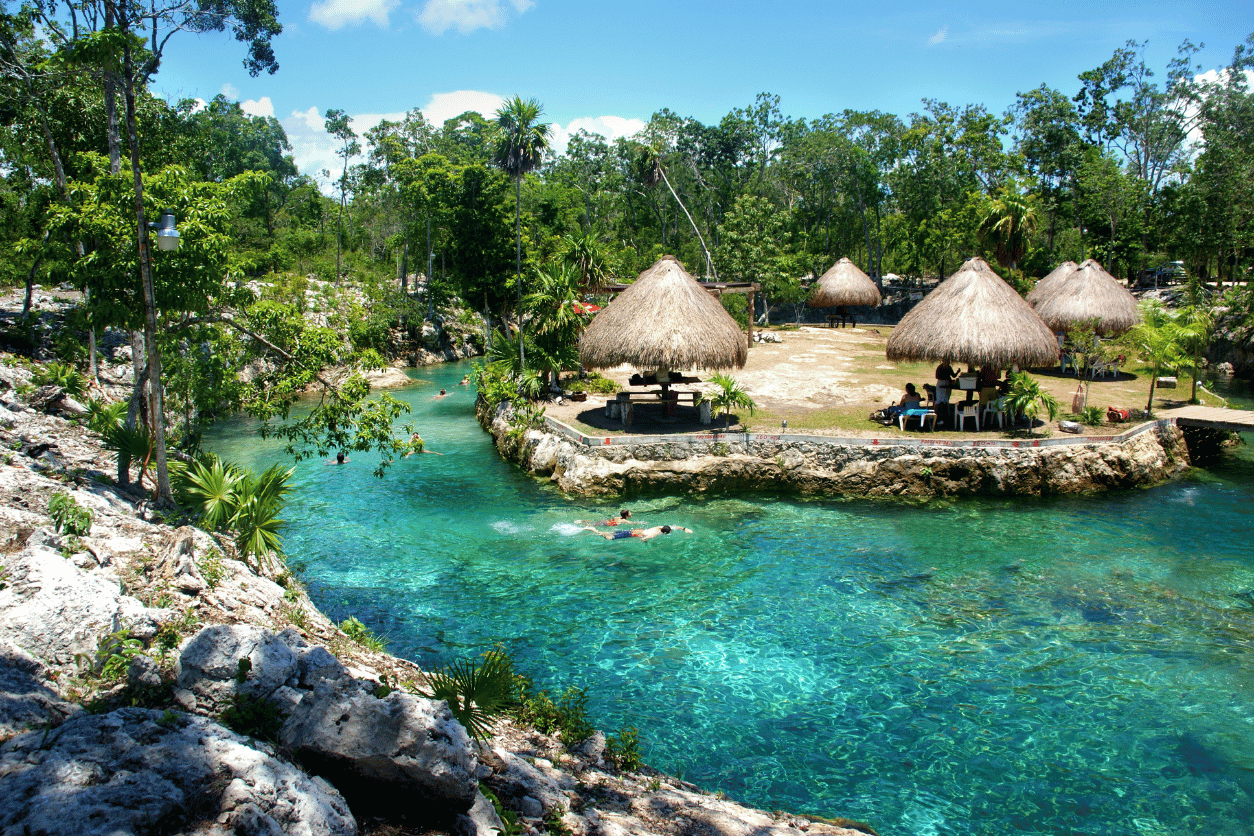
1046, 285
845, 284
664, 321
1089, 293
974, 317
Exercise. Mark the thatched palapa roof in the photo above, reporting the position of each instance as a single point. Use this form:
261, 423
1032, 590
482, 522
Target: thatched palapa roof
664, 321
974, 317
845, 284
1046, 285
1089, 293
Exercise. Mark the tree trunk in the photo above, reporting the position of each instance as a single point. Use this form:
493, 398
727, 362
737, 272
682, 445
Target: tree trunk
156, 406
709, 263
522, 355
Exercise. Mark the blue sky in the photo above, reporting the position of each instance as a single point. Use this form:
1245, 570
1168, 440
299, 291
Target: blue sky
608, 66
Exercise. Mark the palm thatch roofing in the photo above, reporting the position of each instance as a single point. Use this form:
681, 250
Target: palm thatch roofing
845, 284
665, 321
1051, 281
1088, 294
974, 317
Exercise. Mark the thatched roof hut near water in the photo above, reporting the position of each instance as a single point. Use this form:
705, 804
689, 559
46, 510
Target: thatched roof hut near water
845, 284
1089, 293
974, 317
1051, 282
663, 321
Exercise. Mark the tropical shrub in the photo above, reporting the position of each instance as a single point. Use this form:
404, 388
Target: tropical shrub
363, 635
1027, 398
234, 498
476, 693
103, 416
68, 516
63, 375
731, 395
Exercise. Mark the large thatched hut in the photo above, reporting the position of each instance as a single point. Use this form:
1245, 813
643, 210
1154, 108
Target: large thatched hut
844, 284
663, 321
1089, 294
974, 317
1051, 282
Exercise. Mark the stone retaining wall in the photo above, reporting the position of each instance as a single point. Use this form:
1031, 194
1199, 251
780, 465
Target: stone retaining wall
820, 465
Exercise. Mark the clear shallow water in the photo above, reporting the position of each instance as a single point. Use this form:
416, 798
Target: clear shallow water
1068, 665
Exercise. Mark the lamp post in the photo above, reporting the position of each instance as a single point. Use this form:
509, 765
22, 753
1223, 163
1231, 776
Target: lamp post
167, 241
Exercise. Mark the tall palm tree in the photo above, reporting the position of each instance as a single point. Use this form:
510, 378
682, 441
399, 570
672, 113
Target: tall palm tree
1009, 223
520, 149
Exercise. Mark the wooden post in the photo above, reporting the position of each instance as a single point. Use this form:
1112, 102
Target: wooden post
752, 297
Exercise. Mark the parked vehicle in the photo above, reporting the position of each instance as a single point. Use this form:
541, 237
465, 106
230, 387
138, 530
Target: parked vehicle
1169, 273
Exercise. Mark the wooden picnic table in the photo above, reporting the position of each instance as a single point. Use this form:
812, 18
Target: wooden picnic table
623, 403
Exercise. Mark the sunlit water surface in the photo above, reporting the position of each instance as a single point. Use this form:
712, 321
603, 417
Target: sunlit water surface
980, 666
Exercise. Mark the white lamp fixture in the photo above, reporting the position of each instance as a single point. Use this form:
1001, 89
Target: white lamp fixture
167, 236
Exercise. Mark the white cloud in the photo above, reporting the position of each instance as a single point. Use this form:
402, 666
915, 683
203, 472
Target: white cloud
334, 14
610, 127
438, 16
230, 91
444, 106
940, 36
314, 149
261, 107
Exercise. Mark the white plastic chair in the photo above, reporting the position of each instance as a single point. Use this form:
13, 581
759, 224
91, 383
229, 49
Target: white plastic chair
995, 408
965, 412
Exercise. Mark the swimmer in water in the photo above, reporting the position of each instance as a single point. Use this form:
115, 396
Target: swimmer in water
442, 394
340, 458
638, 533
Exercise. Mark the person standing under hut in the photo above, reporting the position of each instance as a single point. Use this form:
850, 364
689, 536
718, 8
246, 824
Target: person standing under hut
944, 387
989, 384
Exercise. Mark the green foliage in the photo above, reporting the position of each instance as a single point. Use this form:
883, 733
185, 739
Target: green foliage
594, 383
68, 516
362, 635
254, 717
567, 715
476, 693
1093, 416
114, 652
623, 749
104, 417
1027, 398
63, 375
230, 497
508, 817
730, 395
553, 822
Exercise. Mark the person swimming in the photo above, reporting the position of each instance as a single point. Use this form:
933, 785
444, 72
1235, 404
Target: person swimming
638, 533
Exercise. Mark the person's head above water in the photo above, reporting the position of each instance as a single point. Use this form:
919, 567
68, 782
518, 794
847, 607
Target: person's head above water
339, 457
624, 514
666, 529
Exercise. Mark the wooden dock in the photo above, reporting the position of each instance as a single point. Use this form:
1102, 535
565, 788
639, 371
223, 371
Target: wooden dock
1211, 418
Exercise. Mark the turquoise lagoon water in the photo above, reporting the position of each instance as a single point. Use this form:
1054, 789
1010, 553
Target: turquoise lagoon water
977, 666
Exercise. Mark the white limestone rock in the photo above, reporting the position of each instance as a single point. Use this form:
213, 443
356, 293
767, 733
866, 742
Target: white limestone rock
137, 771
412, 744
57, 612
208, 668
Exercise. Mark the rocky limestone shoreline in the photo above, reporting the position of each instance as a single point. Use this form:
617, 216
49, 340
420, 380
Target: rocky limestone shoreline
721, 462
122, 650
